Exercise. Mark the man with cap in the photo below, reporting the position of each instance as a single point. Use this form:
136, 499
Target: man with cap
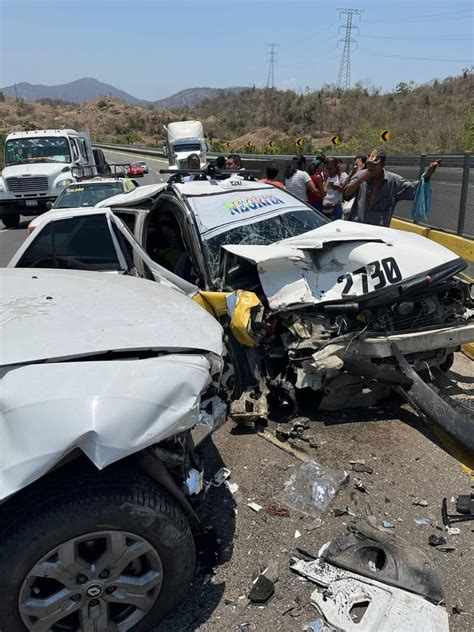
377, 191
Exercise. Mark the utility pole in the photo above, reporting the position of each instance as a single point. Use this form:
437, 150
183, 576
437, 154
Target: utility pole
344, 74
272, 52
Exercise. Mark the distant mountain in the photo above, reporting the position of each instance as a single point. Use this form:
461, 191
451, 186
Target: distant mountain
191, 97
88, 88
78, 91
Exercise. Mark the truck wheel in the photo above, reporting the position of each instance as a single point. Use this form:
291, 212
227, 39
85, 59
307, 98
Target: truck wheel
10, 220
105, 551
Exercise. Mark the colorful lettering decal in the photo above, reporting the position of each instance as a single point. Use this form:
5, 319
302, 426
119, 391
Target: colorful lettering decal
236, 207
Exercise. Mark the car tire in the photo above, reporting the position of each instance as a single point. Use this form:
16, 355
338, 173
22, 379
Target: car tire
10, 220
94, 511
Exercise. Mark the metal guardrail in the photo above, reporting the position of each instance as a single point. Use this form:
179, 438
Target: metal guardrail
453, 191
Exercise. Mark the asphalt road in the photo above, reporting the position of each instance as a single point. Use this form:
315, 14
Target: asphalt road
409, 463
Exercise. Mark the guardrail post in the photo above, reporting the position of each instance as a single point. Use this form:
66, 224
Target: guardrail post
464, 190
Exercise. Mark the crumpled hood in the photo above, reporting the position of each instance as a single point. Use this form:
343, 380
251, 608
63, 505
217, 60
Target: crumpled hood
107, 409
340, 260
57, 314
41, 169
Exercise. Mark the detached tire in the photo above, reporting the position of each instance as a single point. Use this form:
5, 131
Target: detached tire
10, 220
102, 551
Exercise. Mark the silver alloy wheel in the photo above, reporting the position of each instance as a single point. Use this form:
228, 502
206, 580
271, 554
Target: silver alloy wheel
104, 581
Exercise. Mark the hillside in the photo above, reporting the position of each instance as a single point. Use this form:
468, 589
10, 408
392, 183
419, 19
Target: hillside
434, 117
431, 118
88, 88
192, 96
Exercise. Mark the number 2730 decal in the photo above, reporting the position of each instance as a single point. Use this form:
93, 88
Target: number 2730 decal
381, 273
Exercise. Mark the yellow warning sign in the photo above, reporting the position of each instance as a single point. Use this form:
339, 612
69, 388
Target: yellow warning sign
299, 142
227, 145
385, 135
271, 143
335, 140
249, 144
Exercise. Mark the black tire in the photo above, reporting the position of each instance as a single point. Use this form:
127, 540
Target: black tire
115, 500
10, 220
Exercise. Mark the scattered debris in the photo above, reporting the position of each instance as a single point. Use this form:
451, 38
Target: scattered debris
457, 610
343, 512
361, 466
314, 525
232, 487
436, 540
402, 593
294, 450
312, 487
275, 510
318, 625
446, 549
297, 534
220, 476
242, 627
296, 609
262, 589
359, 485
464, 507
256, 507
387, 525
420, 503
453, 530
422, 521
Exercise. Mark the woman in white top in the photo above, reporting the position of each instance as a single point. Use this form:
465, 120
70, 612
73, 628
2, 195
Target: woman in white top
297, 181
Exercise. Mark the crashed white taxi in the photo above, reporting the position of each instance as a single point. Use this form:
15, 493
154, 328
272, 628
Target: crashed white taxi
106, 383
336, 307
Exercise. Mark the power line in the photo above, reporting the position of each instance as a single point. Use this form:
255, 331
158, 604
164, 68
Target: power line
272, 52
344, 74
408, 18
462, 37
377, 54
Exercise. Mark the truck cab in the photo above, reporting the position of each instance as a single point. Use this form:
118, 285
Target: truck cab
38, 165
183, 139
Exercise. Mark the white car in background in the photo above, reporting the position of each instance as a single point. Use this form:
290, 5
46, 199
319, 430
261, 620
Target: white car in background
102, 404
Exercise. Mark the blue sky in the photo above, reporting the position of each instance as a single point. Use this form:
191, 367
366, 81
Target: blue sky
153, 49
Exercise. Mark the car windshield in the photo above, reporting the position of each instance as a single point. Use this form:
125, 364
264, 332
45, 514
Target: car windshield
262, 233
196, 147
87, 194
19, 151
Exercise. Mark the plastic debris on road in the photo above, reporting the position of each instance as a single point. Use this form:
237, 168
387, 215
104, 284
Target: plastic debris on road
255, 506
311, 488
422, 522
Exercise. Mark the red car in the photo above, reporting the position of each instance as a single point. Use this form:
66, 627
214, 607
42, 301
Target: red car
135, 170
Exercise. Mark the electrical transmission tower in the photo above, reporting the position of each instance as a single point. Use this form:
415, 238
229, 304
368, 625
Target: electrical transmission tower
272, 51
344, 74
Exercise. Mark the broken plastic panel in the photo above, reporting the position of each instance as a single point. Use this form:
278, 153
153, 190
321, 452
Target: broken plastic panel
312, 487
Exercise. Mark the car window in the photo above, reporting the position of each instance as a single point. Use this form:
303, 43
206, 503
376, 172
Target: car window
87, 194
79, 243
129, 219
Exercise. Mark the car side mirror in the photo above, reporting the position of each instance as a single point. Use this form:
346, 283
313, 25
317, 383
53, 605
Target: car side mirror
49, 205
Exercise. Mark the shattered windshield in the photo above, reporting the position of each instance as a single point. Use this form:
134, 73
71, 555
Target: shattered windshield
87, 194
263, 232
20, 151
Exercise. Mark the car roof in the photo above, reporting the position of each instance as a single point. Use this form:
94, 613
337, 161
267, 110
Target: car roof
139, 194
213, 187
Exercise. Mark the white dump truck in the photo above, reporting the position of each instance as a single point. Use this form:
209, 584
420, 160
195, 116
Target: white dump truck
185, 138
38, 165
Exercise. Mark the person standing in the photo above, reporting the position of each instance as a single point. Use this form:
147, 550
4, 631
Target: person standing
376, 191
297, 181
271, 173
332, 202
318, 174
360, 162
